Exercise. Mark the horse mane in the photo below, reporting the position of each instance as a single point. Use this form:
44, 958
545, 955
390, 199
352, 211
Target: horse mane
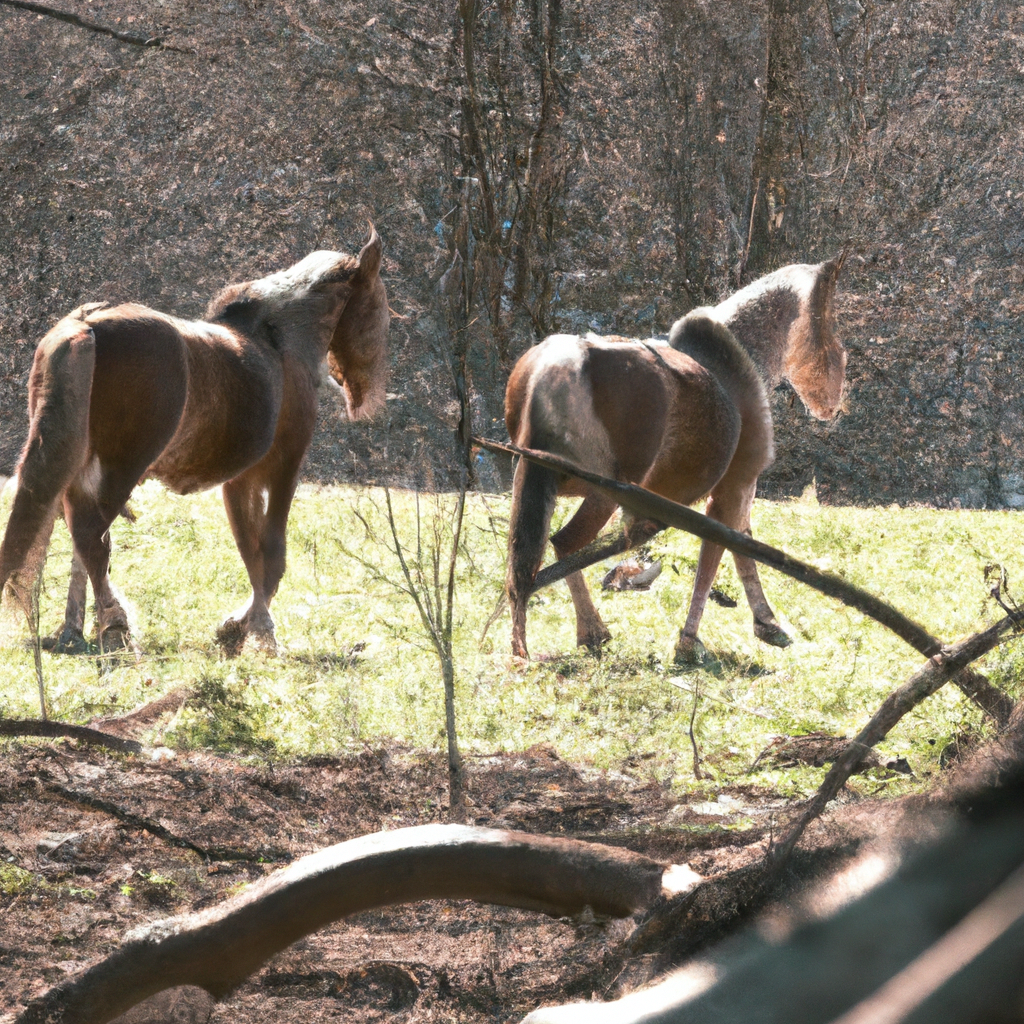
246, 303
712, 344
249, 307
236, 306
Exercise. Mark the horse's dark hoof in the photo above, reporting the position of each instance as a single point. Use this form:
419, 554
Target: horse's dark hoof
593, 642
231, 636
67, 641
115, 639
115, 642
690, 652
772, 633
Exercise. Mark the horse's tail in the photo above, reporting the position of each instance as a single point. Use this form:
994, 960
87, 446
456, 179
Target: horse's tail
534, 489
59, 390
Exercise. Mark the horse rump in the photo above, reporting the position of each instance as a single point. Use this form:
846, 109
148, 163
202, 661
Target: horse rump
60, 385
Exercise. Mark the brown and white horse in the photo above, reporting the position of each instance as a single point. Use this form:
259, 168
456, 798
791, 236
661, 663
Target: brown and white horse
124, 393
685, 419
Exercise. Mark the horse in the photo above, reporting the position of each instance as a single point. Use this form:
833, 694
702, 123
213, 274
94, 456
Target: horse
686, 418
118, 394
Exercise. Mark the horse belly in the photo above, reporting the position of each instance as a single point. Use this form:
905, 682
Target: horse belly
704, 428
229, 420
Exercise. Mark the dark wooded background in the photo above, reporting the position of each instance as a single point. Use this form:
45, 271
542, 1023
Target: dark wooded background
591, 165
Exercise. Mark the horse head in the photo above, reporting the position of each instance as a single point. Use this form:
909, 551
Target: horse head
329, 304
357, 356
815, 361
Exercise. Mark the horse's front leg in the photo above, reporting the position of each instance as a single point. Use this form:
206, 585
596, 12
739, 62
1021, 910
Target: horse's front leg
730, 505
689, 649
246, 501
766, 626
258, 513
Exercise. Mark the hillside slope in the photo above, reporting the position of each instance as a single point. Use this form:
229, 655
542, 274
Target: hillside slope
612, 166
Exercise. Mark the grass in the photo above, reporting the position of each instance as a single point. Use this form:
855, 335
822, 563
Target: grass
356, 668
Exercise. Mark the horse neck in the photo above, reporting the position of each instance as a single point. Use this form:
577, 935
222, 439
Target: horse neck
763, 316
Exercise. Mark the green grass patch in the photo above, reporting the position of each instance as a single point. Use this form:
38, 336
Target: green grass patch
355, 666
15, 881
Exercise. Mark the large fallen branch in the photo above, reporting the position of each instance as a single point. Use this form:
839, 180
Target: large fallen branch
217, 949
940, 942
650, 506
54, 730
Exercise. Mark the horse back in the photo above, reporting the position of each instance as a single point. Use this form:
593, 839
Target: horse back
561, 398
624, 409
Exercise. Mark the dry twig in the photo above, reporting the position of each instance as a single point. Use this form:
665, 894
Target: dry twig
92, 26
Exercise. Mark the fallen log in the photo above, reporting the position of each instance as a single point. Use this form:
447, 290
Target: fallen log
219, 948
55, 730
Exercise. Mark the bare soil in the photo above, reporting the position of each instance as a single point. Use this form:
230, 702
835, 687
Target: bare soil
106, 842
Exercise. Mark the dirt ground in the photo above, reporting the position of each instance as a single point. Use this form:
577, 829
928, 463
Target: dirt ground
93, 843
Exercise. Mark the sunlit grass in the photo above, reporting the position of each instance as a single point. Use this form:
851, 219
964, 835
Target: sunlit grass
355, 667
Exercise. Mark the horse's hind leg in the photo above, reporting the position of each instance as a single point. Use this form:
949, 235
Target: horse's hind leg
89, 511
584, 526
533, 501
71, 638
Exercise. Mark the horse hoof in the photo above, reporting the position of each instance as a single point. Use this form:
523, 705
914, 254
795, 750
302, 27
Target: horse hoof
114, 642
594, 639
115, 639
772, 633
231, 636
260, 642
67, 641
690, 651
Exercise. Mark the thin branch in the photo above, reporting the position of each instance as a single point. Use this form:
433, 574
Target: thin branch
161, 832
697, 773
923, 683
92, 26
719, 700
414, 591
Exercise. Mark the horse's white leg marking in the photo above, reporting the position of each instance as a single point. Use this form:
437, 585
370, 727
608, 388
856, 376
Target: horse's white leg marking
90, 478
